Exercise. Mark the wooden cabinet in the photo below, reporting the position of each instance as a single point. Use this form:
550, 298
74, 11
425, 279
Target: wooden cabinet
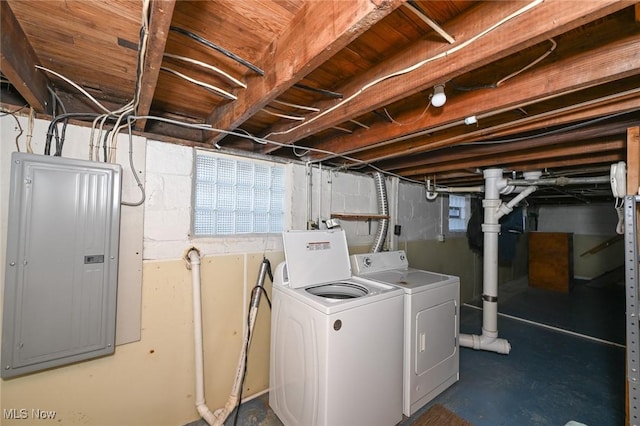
551, 260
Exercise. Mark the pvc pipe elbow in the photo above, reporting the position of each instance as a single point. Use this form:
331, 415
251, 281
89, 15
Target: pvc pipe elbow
207, 415
504, 188
191, 256
485, 343
504, 210
501, 346
194, 257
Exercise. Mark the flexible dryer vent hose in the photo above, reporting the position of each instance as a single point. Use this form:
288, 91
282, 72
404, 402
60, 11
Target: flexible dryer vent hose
383, 209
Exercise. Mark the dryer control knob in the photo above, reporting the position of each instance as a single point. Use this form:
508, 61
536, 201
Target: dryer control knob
367, 261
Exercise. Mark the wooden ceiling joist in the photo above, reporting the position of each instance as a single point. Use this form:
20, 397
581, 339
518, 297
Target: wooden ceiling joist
544, 21
457, 153
160, 15
544, 78
608, 63
591, 147
459, 135
18, 61
290, 63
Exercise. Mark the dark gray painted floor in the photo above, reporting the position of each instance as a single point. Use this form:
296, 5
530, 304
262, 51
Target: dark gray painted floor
549, 378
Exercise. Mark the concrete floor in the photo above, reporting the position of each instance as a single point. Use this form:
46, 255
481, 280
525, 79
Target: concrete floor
549, 378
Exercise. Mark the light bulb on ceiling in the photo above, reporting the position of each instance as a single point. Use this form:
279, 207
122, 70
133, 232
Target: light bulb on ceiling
439, 98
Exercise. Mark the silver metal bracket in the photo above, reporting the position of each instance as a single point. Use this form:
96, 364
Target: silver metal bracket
631, 284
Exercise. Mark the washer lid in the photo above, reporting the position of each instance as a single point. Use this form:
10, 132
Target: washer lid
316, 257
411, 280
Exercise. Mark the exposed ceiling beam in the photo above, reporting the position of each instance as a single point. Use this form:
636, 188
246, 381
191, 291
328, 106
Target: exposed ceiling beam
479, 149
593, 148
18, 61
577, 160
471, 51
318, 31
626, 101
607, 63
557, 116
160, 13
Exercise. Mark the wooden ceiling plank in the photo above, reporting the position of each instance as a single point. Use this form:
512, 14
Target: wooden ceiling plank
562, 163
161, 13
304, 45
587, 160
601, 65
473, 151
592, 148
601, 109
569, 114
546, 20
547, 119
18, 61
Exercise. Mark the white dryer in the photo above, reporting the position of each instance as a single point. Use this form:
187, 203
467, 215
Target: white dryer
431, 308
336, 340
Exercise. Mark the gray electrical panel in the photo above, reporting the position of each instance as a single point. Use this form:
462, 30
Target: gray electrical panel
62, 262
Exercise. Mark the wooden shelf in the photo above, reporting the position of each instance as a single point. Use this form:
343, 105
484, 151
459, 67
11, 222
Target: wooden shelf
358, 216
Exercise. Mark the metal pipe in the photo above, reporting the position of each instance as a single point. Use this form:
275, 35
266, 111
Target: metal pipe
561, 181
308, 192
453, 189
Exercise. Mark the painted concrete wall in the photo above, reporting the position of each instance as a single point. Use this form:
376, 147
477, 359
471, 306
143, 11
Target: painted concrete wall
591, 225
150, 381
77, 146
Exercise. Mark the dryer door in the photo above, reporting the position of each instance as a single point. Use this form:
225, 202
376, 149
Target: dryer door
435, 338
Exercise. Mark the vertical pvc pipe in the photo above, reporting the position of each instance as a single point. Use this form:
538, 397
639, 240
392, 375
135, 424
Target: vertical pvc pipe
491, 229
495, 184
193, 256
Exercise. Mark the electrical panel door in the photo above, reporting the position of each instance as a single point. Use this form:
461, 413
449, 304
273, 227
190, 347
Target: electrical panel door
62, 262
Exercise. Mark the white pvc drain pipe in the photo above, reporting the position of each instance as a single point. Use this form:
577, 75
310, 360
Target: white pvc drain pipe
494, 209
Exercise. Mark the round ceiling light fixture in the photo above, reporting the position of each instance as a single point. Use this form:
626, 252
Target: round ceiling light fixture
439, 98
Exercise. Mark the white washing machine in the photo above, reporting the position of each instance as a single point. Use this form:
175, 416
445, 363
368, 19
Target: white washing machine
431, 308
336, 340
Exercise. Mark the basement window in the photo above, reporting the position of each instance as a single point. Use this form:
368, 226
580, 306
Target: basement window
457, 213
234, 197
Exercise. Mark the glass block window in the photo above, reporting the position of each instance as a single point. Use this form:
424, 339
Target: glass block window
237, 197
457, 213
